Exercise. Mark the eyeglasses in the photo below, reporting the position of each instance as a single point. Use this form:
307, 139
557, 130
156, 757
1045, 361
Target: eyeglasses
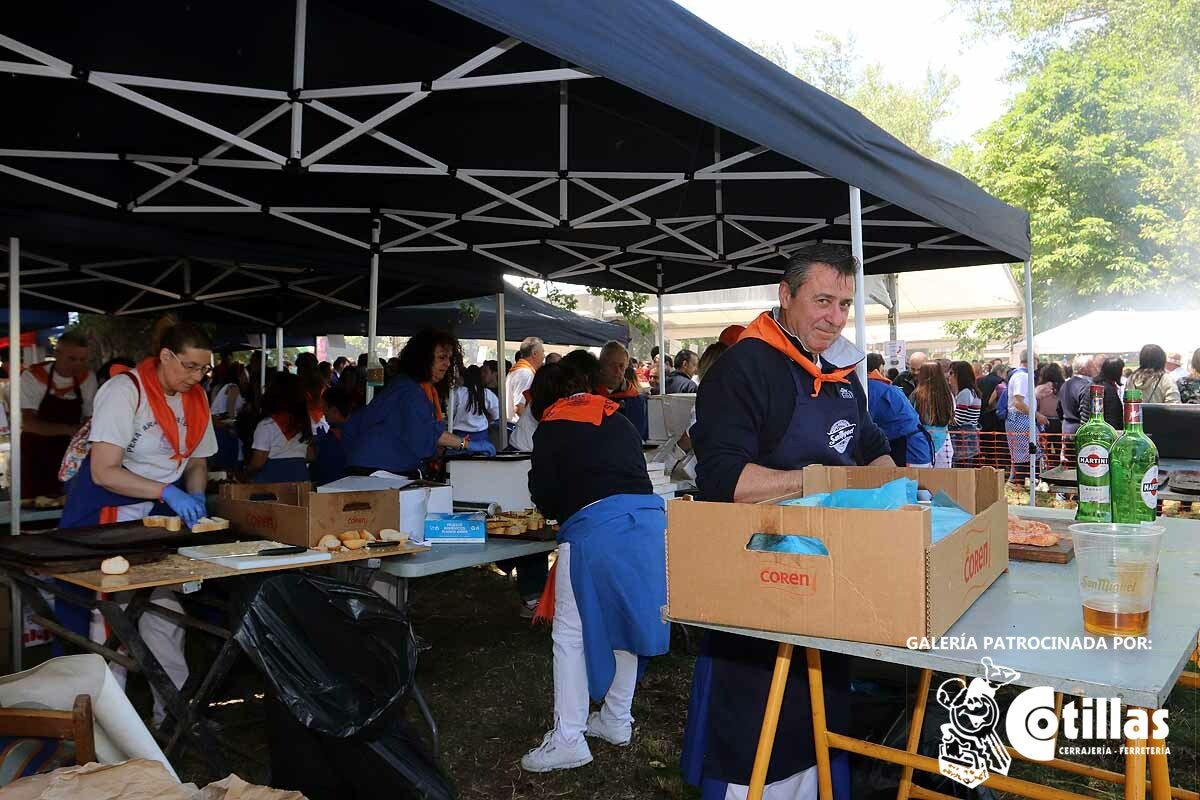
203, 370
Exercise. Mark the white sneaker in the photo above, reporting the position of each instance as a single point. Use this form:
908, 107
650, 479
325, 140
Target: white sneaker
613, 734
554, 754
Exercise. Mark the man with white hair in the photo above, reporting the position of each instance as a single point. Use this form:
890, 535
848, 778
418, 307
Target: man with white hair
530, 357
614, 359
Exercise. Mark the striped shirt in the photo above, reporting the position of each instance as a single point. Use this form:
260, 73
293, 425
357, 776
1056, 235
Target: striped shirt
966, 408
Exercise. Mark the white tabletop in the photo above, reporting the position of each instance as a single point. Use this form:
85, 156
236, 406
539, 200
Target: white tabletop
449, 557
1042, 600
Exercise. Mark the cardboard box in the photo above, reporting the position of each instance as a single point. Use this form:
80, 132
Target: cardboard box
293, 513
463, 528
421, 498
883, 581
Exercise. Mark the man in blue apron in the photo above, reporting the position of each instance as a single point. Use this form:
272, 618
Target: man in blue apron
782, 398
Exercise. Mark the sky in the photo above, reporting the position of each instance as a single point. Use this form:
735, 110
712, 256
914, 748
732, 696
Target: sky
905, 37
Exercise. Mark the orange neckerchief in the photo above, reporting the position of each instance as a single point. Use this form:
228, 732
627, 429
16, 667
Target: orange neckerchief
580, 408
195, 411
624, 394
42, 374
876, 375
522, 363
284, 421
316, 409
767, 329
431, 392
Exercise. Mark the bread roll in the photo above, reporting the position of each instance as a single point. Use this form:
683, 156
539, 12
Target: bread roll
393, 535
329, 543
154, 522
349, 536
204, 524
117, 565
175, 524
367, 536
354, 544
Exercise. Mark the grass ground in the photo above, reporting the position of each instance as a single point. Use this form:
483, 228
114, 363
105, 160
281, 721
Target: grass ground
487, 677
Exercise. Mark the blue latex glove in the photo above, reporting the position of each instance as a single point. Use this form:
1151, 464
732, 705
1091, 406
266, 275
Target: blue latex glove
202, 499
185, 505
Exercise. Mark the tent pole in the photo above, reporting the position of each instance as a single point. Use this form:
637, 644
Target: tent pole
860, 281
279, 347
1033, 432
501, 372
893, 287
662, 338
262, 365
373, 301
14, 387
298, 77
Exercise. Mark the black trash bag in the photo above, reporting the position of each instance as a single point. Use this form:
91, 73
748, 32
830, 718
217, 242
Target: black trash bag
877, 780
390, 766
338, 656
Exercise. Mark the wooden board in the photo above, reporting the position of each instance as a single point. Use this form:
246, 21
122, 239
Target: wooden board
60, 566
1061, 553
176, 569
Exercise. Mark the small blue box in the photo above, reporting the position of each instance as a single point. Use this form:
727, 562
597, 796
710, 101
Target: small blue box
462, 528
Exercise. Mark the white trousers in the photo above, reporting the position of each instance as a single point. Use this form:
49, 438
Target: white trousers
801, 786
570, 669
163, 637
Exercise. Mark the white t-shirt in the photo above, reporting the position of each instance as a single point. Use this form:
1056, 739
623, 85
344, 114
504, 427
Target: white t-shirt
147, 452
467, 420
270, 439
1018, 384
517, 382
220, 402
33, 390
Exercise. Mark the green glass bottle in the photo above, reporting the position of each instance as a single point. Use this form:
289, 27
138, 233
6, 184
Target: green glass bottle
1134, 462
1093, 447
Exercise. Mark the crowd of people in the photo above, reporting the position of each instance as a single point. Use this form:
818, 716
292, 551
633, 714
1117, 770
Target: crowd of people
771, 398
973, 413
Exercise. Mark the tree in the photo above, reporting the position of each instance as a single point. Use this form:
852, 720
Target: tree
554, 295
630, 307
1101, 148
975, 334
909, 113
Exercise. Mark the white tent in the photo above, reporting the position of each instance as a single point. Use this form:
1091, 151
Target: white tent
1123, 332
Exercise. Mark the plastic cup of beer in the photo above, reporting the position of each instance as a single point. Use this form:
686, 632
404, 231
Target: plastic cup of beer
1118, 572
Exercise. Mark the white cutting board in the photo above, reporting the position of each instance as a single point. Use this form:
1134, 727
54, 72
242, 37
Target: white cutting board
212, 552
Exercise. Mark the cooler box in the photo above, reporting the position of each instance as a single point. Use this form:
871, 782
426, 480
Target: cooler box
883, 581
502, 479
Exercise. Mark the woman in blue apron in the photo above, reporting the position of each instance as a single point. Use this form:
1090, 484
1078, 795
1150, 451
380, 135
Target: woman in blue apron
151, 436
404, 425
609, 582
283, 439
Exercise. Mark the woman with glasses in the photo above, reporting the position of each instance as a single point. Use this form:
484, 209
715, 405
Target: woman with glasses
151, 436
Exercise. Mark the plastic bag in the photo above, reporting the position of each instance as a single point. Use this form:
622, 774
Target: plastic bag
339, 657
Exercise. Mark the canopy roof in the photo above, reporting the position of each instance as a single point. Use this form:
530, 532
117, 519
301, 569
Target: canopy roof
623, 143
1117, 332
524, 315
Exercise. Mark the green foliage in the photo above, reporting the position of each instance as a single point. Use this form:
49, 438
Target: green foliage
1101, 148
554, 295
974, 335
907, 112
468, 310
630, 306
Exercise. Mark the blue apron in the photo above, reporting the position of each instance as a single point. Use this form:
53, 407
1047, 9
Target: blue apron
228, 448
330, 463
85, 501
733, 673
283, 470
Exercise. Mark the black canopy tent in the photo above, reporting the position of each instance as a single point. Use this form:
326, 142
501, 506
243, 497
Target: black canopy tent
524, 316
620, 143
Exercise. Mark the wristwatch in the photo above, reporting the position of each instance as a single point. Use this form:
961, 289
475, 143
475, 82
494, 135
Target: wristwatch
463, 444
